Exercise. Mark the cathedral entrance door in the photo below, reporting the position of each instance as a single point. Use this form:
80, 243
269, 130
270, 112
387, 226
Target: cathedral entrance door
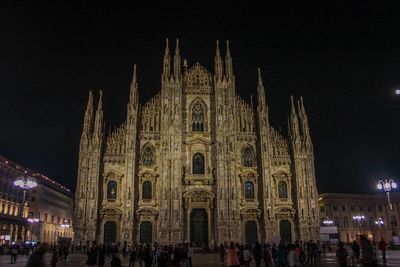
110, 232
251, 232
146, 232
285, 229
199, 227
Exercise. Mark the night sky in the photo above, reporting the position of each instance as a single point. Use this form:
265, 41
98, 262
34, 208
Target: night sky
343, 59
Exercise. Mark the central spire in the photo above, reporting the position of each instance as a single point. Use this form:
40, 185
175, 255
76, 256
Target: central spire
177, 62
166, 61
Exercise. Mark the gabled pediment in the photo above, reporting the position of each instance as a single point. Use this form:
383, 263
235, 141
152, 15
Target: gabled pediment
197, 139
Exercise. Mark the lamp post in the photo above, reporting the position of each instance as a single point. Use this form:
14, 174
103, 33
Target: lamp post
31, 222
379, 222
25, 183
387, 186
327, 222
359, 218
64, 226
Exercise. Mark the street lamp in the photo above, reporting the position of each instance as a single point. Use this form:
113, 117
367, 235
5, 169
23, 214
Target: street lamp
327, 222
387, 186
25, 183
31, 222
65, 224
359, 218
379, 222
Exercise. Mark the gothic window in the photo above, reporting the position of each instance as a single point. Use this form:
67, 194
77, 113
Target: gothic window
249, 190
198, 163
147, 190
282, 189
147, 157
248, 157
198, 117
112, 190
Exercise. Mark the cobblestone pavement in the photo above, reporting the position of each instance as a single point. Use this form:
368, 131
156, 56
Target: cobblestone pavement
199, 260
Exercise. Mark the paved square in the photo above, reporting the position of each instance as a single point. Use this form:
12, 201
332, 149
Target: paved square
199, 260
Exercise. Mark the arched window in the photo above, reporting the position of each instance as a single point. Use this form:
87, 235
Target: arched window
249, 190
198, 118
147, 190
248, 157
198, 163
147, 157
282, 188
112, 190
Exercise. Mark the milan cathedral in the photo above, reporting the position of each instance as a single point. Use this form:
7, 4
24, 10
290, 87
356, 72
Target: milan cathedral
196, 163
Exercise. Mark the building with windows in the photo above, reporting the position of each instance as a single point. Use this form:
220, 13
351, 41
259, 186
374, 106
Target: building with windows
376, 219
48, 208
196, 163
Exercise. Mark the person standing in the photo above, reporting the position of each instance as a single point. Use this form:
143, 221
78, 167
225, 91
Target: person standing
221, 254
366, 250
232, 259
382, 246
356, 251
36, 259
247, 255
54, 258
341, 255
190, 255
14, 253
292, 258
102, 256
257, 254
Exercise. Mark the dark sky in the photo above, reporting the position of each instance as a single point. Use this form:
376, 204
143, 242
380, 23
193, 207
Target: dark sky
343, 59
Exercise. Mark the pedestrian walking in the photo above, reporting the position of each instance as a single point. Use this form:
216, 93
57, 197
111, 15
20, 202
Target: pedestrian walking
382, 246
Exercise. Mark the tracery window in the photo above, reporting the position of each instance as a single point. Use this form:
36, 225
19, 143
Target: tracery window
147, 190
248, 157
198, 117
147, 157
249, 190
282, 189
112, 190
198, 163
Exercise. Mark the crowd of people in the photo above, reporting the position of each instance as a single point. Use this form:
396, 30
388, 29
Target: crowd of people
364, 251
180, 255
299, 253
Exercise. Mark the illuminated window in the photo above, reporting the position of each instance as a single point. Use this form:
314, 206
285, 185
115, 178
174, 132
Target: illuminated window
248, 157
282, 189
198, 163
112, 190
147, 157
249, 190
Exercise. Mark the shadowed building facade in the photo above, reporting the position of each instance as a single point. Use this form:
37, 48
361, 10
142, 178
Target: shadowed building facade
196, 163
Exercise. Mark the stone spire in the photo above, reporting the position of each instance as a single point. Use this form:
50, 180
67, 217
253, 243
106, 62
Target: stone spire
88, 119
218, 64
166, 62
303, 120
294, 122
133, 95
98, 123
261, 91
228, 63
177, 62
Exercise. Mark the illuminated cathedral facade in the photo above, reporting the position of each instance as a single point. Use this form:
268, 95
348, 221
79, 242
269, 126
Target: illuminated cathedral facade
196, 163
